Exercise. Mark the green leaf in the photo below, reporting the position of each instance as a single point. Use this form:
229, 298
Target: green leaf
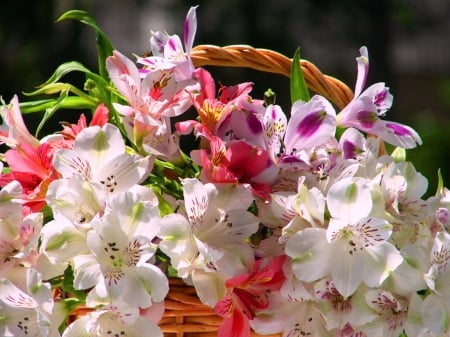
104, 46
299, 89
163, 206
69, 67
68, 285
70, 102
50, 111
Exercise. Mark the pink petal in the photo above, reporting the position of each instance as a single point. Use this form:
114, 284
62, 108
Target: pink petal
190, 28
363, 70
236, 325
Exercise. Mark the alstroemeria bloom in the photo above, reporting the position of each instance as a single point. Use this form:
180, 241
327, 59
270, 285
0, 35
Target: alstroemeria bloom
215, 226
236, 162
366, 108
150, 100
248, 293
13, 130
159, 90
117, 319
403, 187
33, 168
27, 312
99, 155
29, 160
354, 245
391, 311
19, 233
339, 311
292, 212
167, 50
77, 199
213, 111
99, 118
121, 246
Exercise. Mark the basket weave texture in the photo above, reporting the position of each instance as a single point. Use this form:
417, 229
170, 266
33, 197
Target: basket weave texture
185, 315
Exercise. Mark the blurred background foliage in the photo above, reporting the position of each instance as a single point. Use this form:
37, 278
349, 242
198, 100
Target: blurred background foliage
408, 46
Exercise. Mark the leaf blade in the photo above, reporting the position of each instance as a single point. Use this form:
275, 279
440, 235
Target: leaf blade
299, 89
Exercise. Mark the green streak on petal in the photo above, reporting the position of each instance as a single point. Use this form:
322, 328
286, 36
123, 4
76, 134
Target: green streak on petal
303, 257
446, 322
57, 242
136, 212
351, 193
101, 141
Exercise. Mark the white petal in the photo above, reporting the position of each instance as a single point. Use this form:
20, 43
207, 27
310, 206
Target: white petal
384, 259
122, 172
347, 270
196, 198
14, 297
80, 327
309, 250
178, 242
436, 314
61, 241
349, 199
143, 285
134, 215
210, 287
87, 272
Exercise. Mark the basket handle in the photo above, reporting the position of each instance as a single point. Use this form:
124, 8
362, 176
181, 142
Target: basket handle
272, 62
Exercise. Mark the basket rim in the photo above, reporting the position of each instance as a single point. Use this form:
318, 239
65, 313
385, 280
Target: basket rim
267, 60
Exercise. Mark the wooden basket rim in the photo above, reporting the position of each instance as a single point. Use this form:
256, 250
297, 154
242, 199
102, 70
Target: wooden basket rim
266, 60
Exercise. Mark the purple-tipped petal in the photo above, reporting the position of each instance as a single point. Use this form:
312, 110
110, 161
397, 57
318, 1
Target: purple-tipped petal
380, 96
247, 124
351, 143
363, 70
311, 124
398, 135
189, 29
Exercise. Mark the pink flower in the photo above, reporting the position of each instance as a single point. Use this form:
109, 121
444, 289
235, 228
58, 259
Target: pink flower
100, 118
13, 131
213, 110
236, 162
31, 162
247, 294
32, 167
366, 108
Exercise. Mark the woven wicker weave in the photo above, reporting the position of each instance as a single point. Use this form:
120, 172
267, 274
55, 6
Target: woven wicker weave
265, 60
185, 315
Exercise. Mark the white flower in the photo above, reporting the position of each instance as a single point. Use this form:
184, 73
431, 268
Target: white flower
121, 245
391, 314
113, 320
99, 156
354, 247
77, 199
217, 223
19, 233
338, 310
27, 312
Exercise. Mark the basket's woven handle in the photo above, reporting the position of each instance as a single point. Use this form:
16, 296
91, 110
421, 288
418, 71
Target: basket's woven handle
270, 61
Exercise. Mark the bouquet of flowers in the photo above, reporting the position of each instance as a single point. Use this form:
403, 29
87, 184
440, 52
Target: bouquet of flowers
304, 220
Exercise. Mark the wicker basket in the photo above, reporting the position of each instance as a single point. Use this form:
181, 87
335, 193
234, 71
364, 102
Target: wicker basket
185, 315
